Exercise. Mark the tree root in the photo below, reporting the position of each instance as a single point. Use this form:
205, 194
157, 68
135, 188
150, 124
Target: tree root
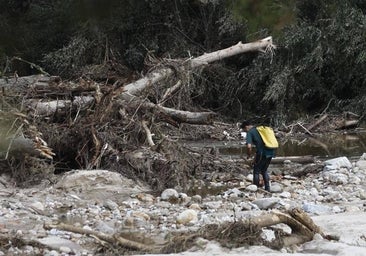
111, 239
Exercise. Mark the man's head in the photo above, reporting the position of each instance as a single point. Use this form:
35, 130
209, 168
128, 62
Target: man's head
246, 125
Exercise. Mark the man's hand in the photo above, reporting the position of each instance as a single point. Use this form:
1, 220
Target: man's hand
249, 160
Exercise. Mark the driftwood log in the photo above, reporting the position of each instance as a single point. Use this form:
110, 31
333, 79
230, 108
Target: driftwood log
302, 226
112, 239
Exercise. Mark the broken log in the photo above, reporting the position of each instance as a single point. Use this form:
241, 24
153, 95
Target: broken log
156, 76
347, 124
260, 45
20, 146
49, 108
112, 239
305, 219
300, 233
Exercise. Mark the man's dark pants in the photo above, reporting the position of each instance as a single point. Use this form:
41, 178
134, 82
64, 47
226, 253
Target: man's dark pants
261, 164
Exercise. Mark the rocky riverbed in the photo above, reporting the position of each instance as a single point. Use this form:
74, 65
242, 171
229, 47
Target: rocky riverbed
108, 203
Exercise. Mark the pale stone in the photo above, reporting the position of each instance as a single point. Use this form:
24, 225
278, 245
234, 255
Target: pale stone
338, 178
213, 205
268, 235
197, 198
111, 205
276, 188
361, 164
65, 249
187, 216
252, 188
336, 163
285, 194
316, 209
169, 194
245, 206
56, 243
99, 184
266, 203
184, 198
131, 203
232, 193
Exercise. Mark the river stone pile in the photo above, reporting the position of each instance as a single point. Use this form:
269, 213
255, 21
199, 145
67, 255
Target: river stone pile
107, 202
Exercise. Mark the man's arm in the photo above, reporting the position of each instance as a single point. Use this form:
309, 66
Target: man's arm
249, 150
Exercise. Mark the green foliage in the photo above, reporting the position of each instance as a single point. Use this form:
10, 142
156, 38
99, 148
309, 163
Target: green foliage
319, 58
264, 14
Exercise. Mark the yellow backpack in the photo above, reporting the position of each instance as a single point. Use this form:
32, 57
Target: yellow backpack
268, 136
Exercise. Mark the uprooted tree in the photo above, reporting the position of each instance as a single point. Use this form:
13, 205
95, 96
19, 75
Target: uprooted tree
120, 126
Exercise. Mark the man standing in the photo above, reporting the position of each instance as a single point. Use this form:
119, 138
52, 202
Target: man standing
263, 155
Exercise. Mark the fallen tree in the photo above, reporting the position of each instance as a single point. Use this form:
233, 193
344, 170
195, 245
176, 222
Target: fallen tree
264, 45
231, 234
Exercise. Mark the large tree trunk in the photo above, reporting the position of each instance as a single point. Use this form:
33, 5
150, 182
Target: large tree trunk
155, 77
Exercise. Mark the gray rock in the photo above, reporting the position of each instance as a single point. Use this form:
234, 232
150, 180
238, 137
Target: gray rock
232, 193
266, 203
337, 163
197, 198
169, 194
276, 188
316, 209
111, 205
57, 243
285, 194
361, 164
99, 184
251, 188
338, 178
187, 216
